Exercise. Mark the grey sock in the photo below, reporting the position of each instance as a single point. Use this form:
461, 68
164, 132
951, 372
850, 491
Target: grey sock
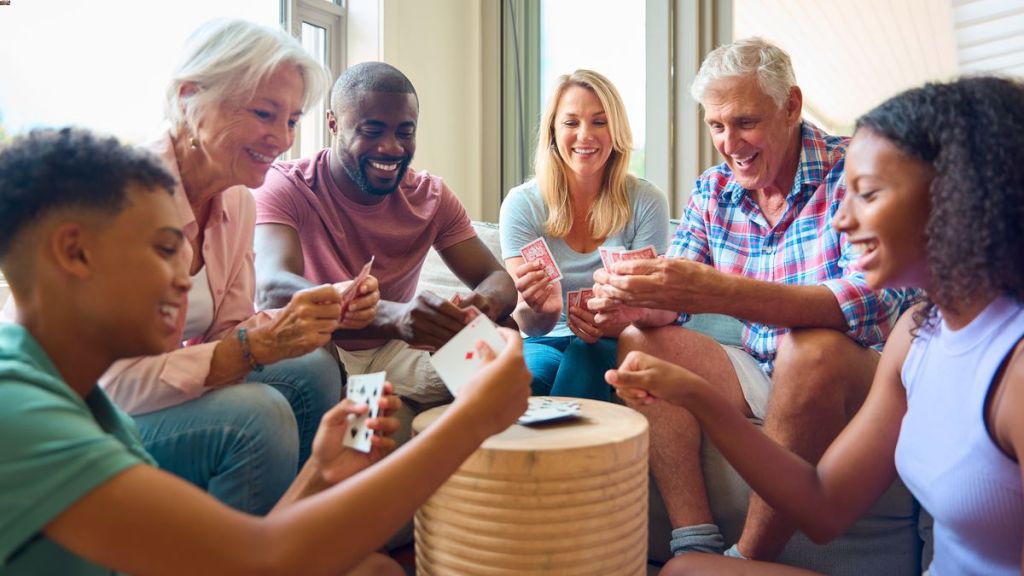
698, 538
734, 552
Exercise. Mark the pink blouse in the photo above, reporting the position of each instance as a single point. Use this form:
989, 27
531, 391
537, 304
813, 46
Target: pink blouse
145, 384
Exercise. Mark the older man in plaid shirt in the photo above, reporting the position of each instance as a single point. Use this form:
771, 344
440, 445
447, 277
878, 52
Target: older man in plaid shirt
756, 243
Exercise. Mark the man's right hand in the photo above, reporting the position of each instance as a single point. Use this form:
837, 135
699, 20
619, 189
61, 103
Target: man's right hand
428, 321
496, 396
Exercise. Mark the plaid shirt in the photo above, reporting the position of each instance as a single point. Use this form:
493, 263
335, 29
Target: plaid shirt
724, 227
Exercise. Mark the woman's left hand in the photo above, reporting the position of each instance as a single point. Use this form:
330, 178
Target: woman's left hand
333, 460
581, 322
363, 308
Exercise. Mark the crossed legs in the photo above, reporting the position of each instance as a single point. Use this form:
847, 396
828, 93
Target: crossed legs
821, 378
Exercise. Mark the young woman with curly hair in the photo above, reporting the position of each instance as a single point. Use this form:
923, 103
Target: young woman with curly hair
936, 201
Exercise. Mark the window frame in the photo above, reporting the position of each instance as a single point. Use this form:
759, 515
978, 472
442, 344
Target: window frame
330, 16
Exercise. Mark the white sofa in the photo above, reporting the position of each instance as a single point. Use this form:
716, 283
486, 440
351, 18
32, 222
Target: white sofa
886, 541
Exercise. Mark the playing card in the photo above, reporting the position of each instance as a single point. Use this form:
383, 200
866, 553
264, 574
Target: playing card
458, 360
606, 252
645, 253
546, 409
363, 389
585, 295
470, 313
573, 299
353, 289
538, 250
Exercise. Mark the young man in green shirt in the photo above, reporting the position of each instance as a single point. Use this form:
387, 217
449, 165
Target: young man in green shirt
90, 246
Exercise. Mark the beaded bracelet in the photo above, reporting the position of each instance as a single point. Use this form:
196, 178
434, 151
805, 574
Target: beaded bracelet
243, 339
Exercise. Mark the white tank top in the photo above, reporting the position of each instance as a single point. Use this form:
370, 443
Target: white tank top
945, 454
199, 315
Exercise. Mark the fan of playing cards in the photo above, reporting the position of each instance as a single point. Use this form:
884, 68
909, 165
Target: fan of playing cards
545, 409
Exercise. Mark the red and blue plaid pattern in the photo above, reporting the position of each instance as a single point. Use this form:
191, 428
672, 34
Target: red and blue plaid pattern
724, 227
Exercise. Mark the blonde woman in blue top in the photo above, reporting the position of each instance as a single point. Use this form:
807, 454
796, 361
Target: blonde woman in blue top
581, 198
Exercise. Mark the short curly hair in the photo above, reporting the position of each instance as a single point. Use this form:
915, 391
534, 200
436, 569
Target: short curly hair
52, 169
971, 131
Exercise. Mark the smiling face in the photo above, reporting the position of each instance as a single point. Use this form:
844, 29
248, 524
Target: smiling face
138, 276
582, 134
241, 139
757, 139
886, 211
374, 141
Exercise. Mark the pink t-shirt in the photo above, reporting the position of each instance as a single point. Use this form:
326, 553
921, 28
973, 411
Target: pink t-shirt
338, 236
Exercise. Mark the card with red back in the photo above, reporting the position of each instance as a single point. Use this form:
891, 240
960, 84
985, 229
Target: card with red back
572, 299
352, 290
585, 295
458, 360
645, 253
606, 255
538, 250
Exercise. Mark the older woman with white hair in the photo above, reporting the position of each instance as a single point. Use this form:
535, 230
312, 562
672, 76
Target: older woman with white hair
234, 403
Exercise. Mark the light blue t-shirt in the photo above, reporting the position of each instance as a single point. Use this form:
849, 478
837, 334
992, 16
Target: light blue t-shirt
56, 447
523, 214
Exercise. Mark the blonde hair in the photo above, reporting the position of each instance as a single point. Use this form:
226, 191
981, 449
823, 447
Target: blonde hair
611, 209
227, 59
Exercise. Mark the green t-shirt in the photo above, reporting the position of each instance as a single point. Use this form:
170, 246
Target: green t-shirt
55, 448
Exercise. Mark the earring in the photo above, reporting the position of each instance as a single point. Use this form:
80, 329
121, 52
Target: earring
193, 142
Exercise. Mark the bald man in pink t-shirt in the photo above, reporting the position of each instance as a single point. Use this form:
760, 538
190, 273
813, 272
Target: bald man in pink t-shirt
320, 219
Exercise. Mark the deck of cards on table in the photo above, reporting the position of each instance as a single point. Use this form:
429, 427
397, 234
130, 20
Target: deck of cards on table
613, 254
547, 409
363, 389
538, 250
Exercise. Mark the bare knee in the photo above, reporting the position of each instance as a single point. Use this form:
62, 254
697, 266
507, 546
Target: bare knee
693, 564
817, 366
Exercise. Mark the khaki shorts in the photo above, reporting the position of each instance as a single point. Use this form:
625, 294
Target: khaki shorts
756, 385
409, 371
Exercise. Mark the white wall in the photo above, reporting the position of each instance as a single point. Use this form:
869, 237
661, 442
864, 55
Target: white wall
440, 46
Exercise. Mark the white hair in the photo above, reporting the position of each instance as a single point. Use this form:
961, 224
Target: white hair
753, 55
227, 59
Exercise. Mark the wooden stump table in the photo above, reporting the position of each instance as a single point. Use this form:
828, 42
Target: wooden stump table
562, 498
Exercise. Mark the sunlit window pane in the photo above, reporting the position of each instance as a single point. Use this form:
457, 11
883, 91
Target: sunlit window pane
102, 65
606, 36
311, 134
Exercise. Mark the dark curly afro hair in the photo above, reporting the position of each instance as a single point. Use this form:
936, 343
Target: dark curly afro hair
51, 169
971, 131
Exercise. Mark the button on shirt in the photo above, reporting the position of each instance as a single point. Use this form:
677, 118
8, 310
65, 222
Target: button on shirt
725, 228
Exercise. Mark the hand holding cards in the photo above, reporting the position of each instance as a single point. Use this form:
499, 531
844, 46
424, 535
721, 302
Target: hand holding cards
458, 360
363, 389
350, 292
538, 250
613, 254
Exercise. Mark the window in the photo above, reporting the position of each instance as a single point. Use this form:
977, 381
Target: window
116, 82
319, 25
101, 65
604, 36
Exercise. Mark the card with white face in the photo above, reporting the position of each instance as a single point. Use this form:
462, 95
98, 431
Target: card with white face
543, 409
363, 389
458, 360
538, 250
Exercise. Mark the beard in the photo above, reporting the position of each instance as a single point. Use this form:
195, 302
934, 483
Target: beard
357, 173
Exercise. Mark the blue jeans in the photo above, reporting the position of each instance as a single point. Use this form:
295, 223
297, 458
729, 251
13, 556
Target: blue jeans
244, 443
568, 366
